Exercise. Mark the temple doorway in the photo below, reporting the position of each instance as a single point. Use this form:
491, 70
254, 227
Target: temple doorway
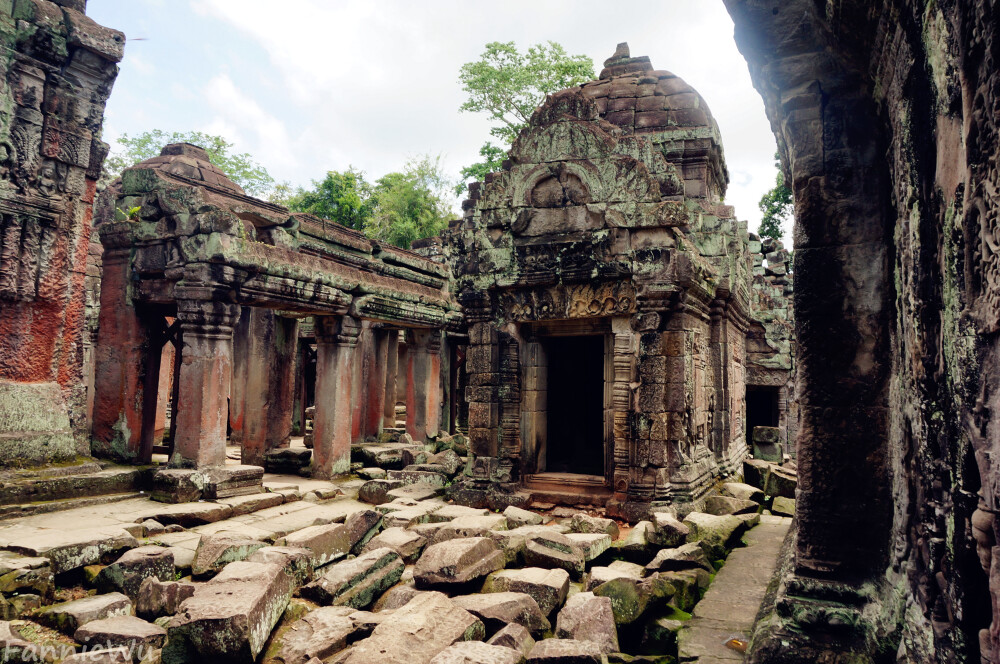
762, 409
575, 418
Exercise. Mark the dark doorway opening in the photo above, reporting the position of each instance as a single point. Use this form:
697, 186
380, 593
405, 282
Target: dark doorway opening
762, 409
575, 435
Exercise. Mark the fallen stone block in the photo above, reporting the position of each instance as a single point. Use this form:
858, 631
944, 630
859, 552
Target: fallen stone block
25, 574
319, 634
616, 570
229, 481
321, 494
498, 610
69, 550
457, 561
722, 505
373, 473
431, 477
296, 562
67, 617
139, 636
415, 633
565, 651
686, 556
161, 598
470, 526
253, 502
587, 617
584, 523
230, 617
177, 485
448, 460
362, 526
591, 544
287, 461
396, 597
554, 550
548, 587
406, 543
782, 506
357, 582
636, 545
189, 515
742, 491
450, 512
327, 543
716, 534
126, 574
376, 492
631, 598
216, 551
667, 530
517, 517
755, 472
780, 482
418, 491
515, 637
476, 652
686, 584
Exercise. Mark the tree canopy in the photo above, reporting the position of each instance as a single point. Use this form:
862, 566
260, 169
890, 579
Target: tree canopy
398, 208
776, 205
509, 85
241, 168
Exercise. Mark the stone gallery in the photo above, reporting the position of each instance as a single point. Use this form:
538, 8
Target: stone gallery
595, 420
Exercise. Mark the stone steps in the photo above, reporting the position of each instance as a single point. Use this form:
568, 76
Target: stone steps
46, 506
51, 485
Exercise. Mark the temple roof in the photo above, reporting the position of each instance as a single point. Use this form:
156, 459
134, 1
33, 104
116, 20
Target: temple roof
191, 162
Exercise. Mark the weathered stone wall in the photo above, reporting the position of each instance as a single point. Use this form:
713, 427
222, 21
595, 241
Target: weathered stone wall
58, 68
886, 116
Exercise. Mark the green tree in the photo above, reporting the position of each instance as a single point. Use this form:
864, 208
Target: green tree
343, 196
241, 168
776, 205
410, 205
509, 85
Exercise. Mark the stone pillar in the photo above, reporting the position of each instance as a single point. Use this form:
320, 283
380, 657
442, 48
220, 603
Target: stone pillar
423, 389
238, 389
281, 387
482, 365
375, 388
335, 342
204, 381
119, 376
163, 391
364, 359
257, 370
391, 368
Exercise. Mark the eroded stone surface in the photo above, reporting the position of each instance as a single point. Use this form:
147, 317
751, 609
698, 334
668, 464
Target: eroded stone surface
457, 561
587, 617
357, 582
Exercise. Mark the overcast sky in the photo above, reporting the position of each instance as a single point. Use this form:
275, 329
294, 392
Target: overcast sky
308, 86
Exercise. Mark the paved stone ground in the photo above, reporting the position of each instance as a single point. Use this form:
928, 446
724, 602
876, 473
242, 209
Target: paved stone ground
732, 601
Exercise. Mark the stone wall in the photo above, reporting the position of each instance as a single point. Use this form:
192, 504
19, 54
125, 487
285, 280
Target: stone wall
886, 116
58, 68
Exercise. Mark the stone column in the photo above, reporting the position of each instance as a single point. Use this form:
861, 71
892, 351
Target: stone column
257, 371
238, 389
119, 375
204, 381
375, 388
391, 367
364, 358
335, 342
482, 364
281, 388
423, 389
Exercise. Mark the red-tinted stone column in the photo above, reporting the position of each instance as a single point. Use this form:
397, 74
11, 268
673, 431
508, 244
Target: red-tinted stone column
119, 376
204, 382
281, 390
391, 368
257, 362
364, 359
423, 389
375, 384
336, 338
238, 388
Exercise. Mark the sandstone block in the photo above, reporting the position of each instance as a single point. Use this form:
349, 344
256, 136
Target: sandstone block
722, 505
515, 637
376, 492
357, 582
69, 550
470, 526
122, 632
637, 545
161, 598
686, 556
591, 544
326, 542
755, 472
587, 617
68, 617
616, 570
415, 633
782, 506
583, 523
554, 550
319, 634
548, 587
667, 530
565, 651
476, 652
742, 491
362, 526
498, 610
780, 482
630, 598
296, 562
127, 573
457, 561
517, 517
406, 543
230, 617
216, 551
715, 534
451, 512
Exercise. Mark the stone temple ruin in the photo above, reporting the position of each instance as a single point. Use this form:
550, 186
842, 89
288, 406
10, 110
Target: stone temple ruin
596, 420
